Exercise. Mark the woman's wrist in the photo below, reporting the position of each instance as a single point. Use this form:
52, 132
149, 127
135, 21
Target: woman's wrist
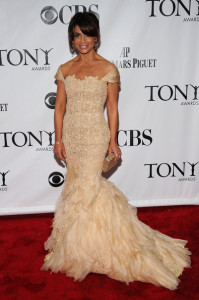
58, 142
113, 140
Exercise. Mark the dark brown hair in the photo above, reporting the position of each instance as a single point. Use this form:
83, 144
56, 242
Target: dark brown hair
88, 24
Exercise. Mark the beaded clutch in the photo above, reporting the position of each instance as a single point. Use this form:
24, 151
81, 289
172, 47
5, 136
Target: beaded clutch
109, 162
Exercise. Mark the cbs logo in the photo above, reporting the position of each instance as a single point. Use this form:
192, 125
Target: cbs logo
50, 100
49, 14
56, 179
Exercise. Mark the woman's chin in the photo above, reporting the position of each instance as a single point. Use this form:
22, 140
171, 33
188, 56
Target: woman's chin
84, 51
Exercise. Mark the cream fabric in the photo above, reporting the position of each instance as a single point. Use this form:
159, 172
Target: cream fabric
95, 228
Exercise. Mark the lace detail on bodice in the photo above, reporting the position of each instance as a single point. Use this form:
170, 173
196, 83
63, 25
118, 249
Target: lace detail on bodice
85, 129
87, 95
112, 76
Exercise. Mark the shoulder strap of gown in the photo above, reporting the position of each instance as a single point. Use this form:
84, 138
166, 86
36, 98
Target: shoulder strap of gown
59, 75
112, 76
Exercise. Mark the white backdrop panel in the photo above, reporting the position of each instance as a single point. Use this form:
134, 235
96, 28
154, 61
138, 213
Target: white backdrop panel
155, 46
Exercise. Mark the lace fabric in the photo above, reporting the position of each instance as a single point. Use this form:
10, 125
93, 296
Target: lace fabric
112, 76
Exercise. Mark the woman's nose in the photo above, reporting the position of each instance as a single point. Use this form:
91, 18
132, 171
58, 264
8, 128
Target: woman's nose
83, 38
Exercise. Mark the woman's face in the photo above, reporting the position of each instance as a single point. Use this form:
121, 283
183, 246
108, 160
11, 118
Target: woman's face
82, 42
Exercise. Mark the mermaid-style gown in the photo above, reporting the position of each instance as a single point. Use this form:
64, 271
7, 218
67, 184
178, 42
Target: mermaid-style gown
94, 228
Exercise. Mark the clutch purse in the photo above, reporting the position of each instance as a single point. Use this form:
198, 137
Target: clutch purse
109, 162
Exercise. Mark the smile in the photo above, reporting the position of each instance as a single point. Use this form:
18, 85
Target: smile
83, 46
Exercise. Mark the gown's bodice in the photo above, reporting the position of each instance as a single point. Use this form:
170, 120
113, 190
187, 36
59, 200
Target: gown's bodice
86, 133
87, 95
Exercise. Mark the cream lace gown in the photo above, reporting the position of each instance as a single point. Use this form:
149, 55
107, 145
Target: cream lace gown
94, 228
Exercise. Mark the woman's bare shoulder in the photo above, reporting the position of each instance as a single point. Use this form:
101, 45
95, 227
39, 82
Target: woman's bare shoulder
67, 66
107, 65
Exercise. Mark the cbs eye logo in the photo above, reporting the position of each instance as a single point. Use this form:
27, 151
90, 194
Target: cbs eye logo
56, 179
50, 100
49, 15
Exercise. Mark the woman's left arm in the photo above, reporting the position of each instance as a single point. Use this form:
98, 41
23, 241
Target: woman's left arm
113, 117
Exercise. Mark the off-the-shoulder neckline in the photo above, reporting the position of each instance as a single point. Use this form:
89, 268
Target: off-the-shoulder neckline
86, 76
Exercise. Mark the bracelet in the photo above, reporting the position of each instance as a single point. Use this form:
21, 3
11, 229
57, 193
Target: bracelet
58, 142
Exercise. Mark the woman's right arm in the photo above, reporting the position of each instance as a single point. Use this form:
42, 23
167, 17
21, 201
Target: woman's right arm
60, 108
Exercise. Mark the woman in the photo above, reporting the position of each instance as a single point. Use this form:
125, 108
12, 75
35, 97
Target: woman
95, 229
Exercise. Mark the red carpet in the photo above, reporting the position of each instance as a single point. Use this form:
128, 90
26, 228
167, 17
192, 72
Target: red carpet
22, 254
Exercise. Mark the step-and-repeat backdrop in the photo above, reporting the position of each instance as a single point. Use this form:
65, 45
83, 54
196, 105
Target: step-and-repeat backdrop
155, 45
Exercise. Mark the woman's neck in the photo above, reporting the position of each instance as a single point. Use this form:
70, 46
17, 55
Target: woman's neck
87, 57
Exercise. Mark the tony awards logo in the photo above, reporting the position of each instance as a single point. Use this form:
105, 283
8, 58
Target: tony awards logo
38, 59
184, 171
185, 95
44, 139
3, 186
187, 9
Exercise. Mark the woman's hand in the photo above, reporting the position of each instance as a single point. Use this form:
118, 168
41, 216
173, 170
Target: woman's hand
113, 147
60, 151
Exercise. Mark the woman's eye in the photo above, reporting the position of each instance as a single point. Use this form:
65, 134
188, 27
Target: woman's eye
77, 35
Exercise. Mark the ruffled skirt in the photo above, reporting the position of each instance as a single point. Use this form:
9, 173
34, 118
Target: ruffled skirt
95, 229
